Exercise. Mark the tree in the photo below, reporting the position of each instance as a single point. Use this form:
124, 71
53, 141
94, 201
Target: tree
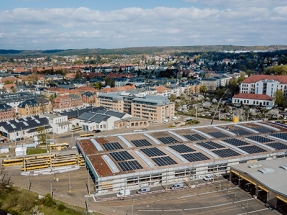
203, 89
98, 85
78, 75
172, 97
279, 98
43, 104
42, 135
110, 82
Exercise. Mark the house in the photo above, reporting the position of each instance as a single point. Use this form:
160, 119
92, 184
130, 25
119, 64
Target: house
7, 112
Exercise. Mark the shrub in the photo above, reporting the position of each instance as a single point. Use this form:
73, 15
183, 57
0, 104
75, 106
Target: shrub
61, 207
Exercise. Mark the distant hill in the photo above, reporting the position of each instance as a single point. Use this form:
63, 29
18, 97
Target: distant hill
134, 50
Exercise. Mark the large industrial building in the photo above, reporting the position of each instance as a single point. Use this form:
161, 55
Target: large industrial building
159, 157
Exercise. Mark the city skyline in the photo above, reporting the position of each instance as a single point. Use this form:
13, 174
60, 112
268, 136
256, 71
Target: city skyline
42, 24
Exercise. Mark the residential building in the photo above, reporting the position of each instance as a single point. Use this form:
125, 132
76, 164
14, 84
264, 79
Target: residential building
34, 107
253, 99
88, 98
210, 83
65, 102
112, 101
7, 112
59, 123
154, 108
14, 99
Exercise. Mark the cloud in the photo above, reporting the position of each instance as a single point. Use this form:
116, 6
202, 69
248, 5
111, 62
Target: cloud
85, 28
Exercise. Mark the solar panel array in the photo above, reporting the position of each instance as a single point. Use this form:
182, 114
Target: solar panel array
252, 149
262, 129
167, 140
140, 143
260, 139
225, 153
278, 146
217, 134
194, 137
282, 136
164, 161
153, 152
112, 146
193, 157
240, 132
130, 165
236, 142
182, 148
210, 145
121, 156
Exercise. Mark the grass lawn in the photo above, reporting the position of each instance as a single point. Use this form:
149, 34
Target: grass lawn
36, 151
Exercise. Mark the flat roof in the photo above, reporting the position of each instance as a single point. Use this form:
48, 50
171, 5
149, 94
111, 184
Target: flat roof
273, 180
182, 147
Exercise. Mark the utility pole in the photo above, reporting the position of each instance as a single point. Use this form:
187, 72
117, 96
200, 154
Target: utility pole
69, 184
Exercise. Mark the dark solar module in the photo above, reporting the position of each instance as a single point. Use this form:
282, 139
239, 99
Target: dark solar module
260, 139
217, 134
278, 146
112, 146
121, 156
164, 161
252, 149
152, 152
182, 148
282, 136
140, 143
224, 153
240, 132
129, 165
193, 157
236, 142
210, 145
167, 140
194, 137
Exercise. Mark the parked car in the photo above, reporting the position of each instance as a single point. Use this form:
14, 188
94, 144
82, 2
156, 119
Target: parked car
97, 131
208, 177
176, 186
143, 190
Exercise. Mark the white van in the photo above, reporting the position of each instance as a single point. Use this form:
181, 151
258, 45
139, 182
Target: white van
143, 190
165, 121
176, 186
123, 193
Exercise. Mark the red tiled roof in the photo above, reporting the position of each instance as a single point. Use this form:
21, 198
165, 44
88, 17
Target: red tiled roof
253, 96
254, 78
162, 89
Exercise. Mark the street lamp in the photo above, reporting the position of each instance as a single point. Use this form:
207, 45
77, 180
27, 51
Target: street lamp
218, 106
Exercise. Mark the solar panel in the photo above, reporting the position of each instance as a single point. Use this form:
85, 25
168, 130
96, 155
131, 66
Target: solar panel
210, 145
225, 153
262, 129
121, 156
252, 149
193, 157
153, 152
194, 137
112, 146
240, 132
282, 136
140, 143
217, 134
129, 165
164, 161
167, 140
278, 146
260, 139
182, 148
236, 142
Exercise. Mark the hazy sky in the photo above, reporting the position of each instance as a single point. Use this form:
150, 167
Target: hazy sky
64, 24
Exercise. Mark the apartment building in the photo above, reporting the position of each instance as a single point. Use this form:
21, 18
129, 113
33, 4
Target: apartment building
264, 86
210, 83
34, 107
154, 108
7, 112
66, 102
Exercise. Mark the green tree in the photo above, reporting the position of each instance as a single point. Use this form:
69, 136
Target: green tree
172, 97
78, 75
42, 135
279, 98
98, 85
203, 89
110, 82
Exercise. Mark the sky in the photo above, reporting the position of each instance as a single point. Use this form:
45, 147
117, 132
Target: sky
75, 24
